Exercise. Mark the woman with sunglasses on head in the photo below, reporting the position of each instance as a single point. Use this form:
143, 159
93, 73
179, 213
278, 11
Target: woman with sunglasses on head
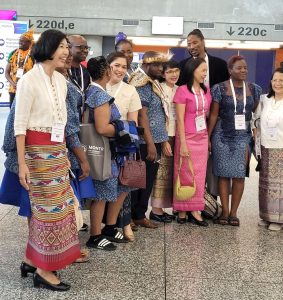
162, 193
270, 112
40, 120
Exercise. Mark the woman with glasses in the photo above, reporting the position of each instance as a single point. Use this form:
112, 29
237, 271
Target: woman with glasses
162, 193
230, 135
270, 112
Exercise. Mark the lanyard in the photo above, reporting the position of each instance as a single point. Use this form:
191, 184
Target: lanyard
26, 58
53, 94
196, 98
118, 89
234, 96
82, 79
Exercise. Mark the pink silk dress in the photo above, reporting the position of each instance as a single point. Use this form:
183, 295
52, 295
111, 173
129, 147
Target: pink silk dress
197, 143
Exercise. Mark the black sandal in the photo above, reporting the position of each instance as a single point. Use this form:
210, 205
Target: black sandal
234, 221
222, 220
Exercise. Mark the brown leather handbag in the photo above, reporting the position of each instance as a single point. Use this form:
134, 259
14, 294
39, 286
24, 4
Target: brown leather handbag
133, 174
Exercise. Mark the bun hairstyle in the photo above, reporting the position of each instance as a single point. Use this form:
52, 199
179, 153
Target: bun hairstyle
97, 66
197, 33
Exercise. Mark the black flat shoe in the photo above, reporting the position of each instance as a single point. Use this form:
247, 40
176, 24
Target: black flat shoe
195, 221
84, 227
173, 217
39, 281
160, 218
181, 220
26, 269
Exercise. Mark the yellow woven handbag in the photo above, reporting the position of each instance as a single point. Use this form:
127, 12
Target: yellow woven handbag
185, 192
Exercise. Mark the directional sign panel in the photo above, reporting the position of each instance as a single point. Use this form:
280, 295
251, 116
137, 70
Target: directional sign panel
249, 31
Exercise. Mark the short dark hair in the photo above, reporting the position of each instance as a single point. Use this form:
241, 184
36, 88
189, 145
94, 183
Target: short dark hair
114, 55
198, 33
190, 67
47, 44
125, 41
171, 64
233, 59
271, 92
97, 66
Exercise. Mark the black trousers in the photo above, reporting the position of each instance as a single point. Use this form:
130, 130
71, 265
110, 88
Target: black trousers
139, 198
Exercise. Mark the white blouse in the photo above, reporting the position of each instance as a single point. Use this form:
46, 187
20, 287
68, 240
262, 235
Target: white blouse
126, 97
169, 94
36, 107
271, 122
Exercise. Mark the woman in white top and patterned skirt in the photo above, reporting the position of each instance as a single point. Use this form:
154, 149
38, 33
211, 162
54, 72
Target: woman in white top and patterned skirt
128, 102
40, 120
270, 112
162, 192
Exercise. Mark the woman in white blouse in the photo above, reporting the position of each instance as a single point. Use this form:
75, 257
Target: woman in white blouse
128, 102
270, 112
40, 120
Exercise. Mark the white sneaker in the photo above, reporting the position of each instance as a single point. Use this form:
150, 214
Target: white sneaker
275, 226
263, 223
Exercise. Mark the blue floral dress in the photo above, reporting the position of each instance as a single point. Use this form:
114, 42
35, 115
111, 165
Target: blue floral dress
230, 146
106, 190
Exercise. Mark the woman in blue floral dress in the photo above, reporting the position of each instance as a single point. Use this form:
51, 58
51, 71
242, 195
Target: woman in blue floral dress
230, 135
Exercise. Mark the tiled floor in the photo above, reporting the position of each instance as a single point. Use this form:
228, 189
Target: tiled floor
172, 262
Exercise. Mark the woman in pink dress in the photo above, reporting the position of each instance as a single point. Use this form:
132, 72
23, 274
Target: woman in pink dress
192, 107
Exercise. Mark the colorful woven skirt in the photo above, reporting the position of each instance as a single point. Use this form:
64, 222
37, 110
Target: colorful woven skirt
162, 192
53, 240
270, 191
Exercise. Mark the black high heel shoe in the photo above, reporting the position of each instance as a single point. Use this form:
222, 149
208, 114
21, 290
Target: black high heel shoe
26, 269
181, 220
193, 220
39, 281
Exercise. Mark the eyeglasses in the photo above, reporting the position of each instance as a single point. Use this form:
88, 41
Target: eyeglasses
82, 47
280, 81
171, 72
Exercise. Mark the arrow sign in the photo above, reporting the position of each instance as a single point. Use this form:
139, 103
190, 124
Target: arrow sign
30, 24
230, 32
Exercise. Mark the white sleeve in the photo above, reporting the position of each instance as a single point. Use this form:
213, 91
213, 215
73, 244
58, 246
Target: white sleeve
24, 101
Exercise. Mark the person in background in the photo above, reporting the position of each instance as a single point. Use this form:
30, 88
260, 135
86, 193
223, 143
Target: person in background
78, 73
270, 112
152, 117
217, 72
128, 102
20, 61
162, 193
40, 119
230, 135
122, 44
192, 107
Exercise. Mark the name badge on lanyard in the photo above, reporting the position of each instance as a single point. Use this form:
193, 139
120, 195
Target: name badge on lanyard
272, 129
20, 73
240, 120
199, 120
58, 131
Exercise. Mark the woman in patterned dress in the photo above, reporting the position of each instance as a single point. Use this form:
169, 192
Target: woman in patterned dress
40, 120
230, 135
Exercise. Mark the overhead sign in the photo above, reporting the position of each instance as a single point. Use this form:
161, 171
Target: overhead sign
168, 25
10, 33
248, 31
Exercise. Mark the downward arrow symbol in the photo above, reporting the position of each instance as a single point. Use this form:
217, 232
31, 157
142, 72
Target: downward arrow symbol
230, 32
30, 24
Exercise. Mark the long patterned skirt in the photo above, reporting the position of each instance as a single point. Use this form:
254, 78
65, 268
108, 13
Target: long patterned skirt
162, 192
197, 143
53, 238
271, 185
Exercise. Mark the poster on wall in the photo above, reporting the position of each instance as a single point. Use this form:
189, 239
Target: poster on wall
10, 32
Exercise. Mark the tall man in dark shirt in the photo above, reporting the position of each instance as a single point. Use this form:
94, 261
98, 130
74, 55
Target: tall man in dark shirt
217, 67
78, 72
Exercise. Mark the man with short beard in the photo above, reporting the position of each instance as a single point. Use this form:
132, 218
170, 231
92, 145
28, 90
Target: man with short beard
152, 117
79, 50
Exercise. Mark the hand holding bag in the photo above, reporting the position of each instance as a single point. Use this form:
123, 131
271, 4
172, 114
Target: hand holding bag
133, 174
186, 192
97, 149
